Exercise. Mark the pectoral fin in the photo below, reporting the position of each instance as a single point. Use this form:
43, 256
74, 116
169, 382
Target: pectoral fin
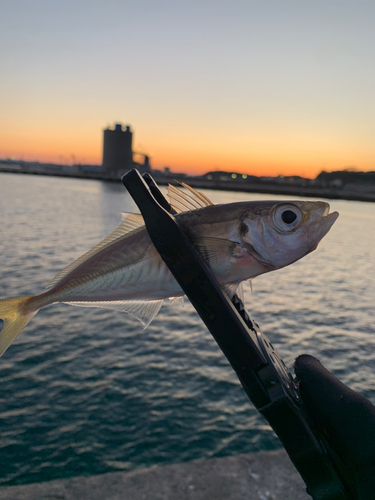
215, 250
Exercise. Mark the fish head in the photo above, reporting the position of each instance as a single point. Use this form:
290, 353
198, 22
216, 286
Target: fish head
280, 233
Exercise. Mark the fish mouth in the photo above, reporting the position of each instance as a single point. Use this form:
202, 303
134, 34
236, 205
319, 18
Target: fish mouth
329, 218
321, 209
322, 212
323, 223
327, 221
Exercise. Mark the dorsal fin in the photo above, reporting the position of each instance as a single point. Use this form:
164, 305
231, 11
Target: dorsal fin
129, 223
183, 202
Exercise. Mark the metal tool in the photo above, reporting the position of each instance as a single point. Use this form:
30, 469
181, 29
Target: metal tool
260, 369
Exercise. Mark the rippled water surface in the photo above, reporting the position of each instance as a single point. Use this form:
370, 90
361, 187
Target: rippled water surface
87, 391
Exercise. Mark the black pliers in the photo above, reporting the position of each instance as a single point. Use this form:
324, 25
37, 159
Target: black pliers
265, 378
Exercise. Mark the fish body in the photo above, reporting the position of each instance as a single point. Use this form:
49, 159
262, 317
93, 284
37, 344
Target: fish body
239, 241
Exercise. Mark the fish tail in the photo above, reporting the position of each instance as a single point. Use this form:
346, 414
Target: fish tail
15, 316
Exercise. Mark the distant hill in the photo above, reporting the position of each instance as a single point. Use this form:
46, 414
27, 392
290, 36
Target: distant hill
346, 177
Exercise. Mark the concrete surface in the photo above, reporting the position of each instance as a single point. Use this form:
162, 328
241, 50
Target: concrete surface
257, 476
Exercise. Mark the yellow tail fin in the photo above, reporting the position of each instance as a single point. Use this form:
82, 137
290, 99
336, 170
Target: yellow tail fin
15, 319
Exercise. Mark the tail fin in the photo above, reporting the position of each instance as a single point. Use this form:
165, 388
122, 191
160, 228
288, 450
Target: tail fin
15, 319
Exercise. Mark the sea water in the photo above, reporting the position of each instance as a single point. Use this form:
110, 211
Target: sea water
88, 391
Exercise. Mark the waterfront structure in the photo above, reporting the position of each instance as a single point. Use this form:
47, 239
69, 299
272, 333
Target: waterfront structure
117, 151
145, 166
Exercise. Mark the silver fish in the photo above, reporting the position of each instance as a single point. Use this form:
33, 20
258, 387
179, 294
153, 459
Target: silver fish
239, 241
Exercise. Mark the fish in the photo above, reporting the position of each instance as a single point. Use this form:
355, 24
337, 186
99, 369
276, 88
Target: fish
124, 272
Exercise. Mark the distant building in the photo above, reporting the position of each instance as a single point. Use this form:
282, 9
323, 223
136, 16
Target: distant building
117, 151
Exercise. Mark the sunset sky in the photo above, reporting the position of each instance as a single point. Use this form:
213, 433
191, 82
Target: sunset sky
259, 87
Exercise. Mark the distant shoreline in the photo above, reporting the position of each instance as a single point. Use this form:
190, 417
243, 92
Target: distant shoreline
201, 182
265, 188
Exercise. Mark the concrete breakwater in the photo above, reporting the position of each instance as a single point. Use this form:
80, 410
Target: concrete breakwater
257, 476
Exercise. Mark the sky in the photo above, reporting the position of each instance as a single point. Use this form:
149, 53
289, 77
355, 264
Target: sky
259, 87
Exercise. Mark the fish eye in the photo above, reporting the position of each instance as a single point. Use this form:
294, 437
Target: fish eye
287, 217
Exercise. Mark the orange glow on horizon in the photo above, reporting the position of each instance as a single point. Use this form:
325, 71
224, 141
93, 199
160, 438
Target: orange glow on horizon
191, 154
191, 164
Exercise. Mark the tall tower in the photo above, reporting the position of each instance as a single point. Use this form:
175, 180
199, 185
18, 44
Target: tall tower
117, 151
